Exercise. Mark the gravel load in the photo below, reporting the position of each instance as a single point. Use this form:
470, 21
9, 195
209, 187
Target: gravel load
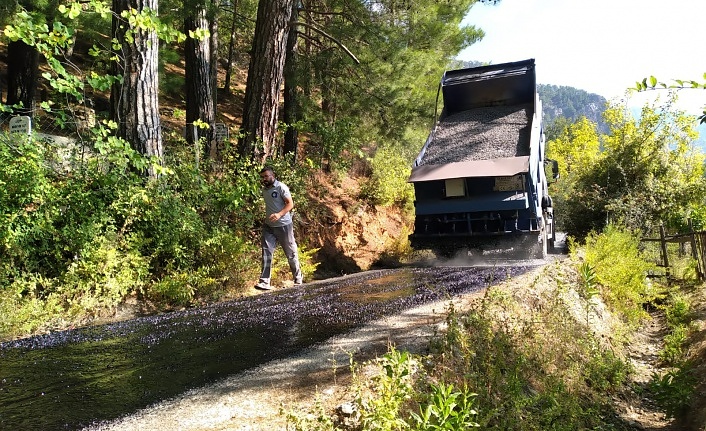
481, 134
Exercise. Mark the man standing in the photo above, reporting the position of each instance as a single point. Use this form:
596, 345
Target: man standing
277, 228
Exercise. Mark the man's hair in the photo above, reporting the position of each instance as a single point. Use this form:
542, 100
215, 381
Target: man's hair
268, 169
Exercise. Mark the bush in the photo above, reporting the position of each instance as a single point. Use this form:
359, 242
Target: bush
388, 182
674, 390
621, 271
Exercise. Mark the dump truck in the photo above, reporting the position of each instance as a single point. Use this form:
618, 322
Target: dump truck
481, 179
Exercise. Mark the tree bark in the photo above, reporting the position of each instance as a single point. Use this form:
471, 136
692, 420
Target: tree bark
134, 103
199, 88
23, 63
231, 49
291, 102
265, 76
215, 149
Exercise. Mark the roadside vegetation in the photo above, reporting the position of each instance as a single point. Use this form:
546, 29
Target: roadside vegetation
552, 354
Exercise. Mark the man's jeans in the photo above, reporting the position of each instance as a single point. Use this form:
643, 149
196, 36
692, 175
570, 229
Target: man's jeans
283, 235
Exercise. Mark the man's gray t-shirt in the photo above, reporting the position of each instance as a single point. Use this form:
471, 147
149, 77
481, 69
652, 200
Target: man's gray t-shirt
274, 202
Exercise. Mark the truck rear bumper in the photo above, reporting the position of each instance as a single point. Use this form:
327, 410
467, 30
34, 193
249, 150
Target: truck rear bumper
473, 224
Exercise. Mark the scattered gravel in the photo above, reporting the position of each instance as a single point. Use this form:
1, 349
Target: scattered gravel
481, 134
254, 400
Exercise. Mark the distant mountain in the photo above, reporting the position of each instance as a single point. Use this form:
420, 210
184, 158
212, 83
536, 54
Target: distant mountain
571, 103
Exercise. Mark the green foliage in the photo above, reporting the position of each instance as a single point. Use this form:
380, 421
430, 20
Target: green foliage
24, 186
82, 231
401, 52
527, 375
576, 148
621, 270
280, 266
23, 310
673, 350
674, 390
678, 314
678, 310
644, 172
315, 420
388, 182
106, 271
446, 410
652, 83
382, 397
605, 371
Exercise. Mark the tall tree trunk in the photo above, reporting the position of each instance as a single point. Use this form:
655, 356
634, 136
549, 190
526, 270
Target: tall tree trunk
199, 88
23, 63
291, 102
134, 103
265, 76
231, 49
214, 150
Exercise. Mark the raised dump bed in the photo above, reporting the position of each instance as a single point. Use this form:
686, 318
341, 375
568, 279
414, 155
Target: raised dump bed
481, 173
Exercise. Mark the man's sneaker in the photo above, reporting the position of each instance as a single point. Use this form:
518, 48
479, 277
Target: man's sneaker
263, 286
298, 282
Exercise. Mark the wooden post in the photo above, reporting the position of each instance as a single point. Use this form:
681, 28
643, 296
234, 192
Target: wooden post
665, 258
695, 252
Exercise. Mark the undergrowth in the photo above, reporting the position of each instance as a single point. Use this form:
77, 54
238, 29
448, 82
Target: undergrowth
81, 231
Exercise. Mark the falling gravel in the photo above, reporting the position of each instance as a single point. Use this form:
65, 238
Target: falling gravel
481, 134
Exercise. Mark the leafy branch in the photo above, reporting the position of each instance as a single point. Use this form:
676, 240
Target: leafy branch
652, 83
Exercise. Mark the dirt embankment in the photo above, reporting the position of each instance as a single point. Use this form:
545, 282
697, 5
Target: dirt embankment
351, 233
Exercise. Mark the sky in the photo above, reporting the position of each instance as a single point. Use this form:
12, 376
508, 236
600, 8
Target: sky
600, 46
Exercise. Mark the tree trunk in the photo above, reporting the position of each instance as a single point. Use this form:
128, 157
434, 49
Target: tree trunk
231, 49
265, 76
199, 88
23, 63
134, 103
214, 149
291, 102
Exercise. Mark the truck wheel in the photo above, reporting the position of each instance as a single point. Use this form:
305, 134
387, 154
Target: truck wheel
541, 246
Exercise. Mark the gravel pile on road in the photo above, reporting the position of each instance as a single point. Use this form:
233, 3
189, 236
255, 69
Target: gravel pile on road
481, 134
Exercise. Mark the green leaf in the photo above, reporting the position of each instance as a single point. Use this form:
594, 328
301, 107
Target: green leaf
653, 81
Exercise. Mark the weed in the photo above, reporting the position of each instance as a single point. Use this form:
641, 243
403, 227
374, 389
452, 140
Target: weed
382, 398
315, 419
620, 269
674, 389
446, 409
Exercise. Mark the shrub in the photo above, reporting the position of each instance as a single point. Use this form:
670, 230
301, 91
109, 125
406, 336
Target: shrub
104, 273
388, 183
673, 390
621, 270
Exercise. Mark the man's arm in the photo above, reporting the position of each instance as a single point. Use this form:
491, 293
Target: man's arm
288, 206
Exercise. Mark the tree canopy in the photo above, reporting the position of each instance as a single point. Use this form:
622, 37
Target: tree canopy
646, 171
